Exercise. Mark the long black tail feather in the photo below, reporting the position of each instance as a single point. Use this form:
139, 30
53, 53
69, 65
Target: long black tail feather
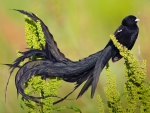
26, 54
100, 64
55, 64
55, 69
102, 60
54, 52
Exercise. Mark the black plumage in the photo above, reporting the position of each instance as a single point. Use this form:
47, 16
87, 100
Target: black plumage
55, 64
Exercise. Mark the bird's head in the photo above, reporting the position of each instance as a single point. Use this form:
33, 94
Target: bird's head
130, 21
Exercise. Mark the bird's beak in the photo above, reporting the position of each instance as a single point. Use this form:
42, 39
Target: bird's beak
137, 20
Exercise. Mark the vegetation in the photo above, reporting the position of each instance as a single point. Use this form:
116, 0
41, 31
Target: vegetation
78, 26
36, 85
136, 88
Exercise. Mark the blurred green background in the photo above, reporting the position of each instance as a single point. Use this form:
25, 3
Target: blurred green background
80, 28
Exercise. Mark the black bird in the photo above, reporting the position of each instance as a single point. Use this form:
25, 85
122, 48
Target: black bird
126, 35
55, 64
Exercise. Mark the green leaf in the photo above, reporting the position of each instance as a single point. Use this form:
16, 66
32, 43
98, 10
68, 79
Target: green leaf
68, 107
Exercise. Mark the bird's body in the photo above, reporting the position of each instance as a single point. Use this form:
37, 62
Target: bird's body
56, 64
126, 34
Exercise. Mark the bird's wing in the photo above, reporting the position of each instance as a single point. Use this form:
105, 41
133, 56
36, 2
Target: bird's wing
117, 56
133, 39
118, 32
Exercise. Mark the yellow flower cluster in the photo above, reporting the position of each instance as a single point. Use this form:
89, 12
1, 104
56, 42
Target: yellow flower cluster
35, 39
